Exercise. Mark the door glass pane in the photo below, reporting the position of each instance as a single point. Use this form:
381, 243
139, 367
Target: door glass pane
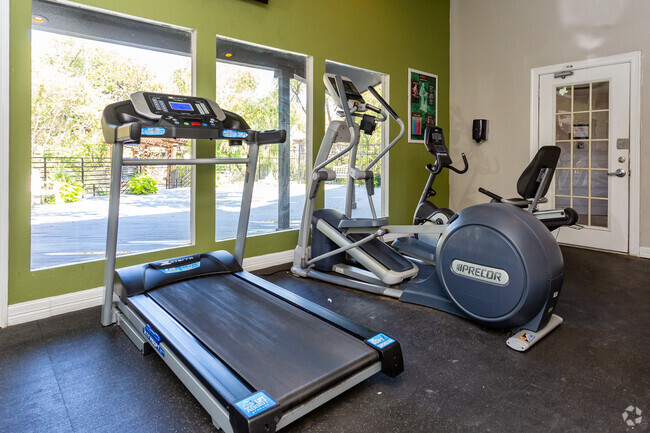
581, 205
599, 181
563, 99
580, 154
563, 127
581, 126
581, 132
562, 202
581, 98
600, 125
599, 154
563, 182
600, 96
581, 183
599, 212
565, 155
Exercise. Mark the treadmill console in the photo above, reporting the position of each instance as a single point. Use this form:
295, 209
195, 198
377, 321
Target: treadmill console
188, 111
162, 115
434, 140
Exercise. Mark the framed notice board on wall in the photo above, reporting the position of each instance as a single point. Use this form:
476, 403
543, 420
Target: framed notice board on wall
423, 104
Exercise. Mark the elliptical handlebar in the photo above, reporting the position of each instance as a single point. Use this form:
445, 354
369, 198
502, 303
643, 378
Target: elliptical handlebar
354, 136
383, 103
344, 100
390, 145
394, 115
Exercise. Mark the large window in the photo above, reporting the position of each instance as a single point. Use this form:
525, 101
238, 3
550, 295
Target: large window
83, 60
369, 147
268, 88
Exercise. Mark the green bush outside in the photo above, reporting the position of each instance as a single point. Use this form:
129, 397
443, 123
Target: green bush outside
141, 184
66, 189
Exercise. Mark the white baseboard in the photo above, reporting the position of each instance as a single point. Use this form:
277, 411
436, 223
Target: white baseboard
644, 252
267, 260
52, 306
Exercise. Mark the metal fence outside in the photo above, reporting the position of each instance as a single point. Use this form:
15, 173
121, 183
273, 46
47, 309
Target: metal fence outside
92, 173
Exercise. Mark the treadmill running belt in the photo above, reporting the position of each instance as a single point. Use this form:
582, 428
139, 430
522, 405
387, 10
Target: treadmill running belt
272, 345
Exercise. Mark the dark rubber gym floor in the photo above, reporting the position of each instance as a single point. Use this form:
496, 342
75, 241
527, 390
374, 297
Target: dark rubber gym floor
66, 373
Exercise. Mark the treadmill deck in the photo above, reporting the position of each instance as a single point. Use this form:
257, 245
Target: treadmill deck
274, 346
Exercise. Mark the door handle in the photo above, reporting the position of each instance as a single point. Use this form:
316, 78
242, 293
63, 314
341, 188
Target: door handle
618, 173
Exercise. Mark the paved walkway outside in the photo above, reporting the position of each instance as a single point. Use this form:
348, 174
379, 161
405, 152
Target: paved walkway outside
76, 232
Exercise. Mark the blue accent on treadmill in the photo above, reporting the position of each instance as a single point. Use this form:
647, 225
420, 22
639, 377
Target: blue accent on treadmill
153, 130
182, 268
154, 339
151, 334
232, 133
380, 341
256, 403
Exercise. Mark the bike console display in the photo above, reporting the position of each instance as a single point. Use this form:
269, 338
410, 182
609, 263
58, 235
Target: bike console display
434, 140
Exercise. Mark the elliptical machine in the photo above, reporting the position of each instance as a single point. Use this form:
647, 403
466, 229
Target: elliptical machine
493, 263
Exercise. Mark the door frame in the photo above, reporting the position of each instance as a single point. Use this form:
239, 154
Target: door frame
4, 162
634, 60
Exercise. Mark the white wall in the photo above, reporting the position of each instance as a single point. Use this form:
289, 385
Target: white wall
495, 44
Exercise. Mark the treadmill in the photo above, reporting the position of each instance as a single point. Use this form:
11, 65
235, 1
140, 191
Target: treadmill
256, 356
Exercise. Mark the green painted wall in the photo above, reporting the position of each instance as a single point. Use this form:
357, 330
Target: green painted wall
396, 40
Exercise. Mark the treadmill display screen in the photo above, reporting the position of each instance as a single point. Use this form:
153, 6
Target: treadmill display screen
181, 106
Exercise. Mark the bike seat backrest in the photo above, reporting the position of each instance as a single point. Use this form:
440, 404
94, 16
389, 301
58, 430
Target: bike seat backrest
528, 183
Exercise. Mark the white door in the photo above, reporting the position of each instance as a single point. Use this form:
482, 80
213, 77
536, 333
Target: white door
587, 114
